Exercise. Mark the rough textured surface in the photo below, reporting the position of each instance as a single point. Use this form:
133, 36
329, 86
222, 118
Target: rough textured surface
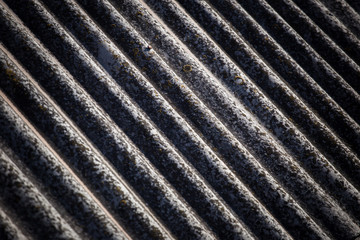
162, 119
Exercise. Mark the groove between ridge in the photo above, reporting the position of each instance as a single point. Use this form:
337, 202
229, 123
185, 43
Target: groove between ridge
147, 119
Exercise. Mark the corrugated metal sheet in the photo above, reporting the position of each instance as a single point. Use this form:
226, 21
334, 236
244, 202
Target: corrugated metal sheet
188, 119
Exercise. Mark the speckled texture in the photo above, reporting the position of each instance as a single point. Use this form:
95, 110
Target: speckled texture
114, 145
345, 13
29, 204
56, 178
301, 52
82, 156
181, 119
282, 95
9, 229
251, 133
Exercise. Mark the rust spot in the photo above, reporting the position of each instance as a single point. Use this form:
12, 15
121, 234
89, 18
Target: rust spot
43, 108
239, 80
187, 68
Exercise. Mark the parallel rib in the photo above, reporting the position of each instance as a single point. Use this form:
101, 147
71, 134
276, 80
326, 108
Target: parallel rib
29, 203
299, 50
306, 29
116, 146
8, 229
162, 119
166, 154
252, 133
180, 56
60, 182
190, 183
271, 118
86, 159
301, 82
150, 29
175, 85
332, 26
320, 135
347, 15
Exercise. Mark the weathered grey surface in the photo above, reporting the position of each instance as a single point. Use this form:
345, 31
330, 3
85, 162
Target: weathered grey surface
161, 119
